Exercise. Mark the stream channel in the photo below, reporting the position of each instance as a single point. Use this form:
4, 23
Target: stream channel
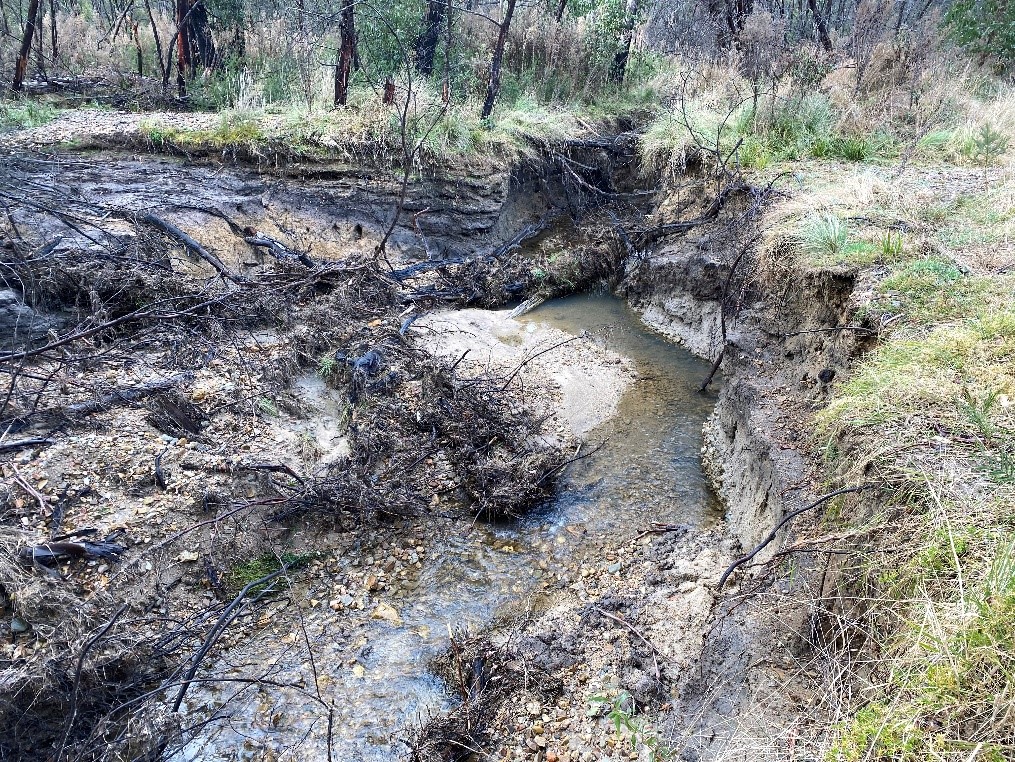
648, 470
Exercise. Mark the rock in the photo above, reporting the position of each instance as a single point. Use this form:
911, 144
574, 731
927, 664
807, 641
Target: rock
19, 625
188, 556
371, 582
614, 567
387, 613
19, 323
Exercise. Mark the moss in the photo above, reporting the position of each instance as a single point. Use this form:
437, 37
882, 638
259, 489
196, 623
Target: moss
243, 574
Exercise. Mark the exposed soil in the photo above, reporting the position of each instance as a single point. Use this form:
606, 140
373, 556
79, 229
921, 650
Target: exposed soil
632, 616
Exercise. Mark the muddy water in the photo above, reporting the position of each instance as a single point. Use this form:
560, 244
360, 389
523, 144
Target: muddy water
373, 669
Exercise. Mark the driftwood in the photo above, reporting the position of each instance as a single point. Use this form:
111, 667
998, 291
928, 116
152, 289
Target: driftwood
124, 394
193, 246
280, 252
17, 445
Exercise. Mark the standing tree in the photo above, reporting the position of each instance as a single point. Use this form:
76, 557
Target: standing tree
619, 66
21, 67
346, 53
498, 55
426, 44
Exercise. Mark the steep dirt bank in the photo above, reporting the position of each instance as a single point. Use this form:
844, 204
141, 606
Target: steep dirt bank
752, 694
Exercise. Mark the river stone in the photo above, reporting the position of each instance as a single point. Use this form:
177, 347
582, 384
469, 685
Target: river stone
387, 613
19, 323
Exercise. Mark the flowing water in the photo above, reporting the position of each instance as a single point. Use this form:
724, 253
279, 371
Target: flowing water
647, 470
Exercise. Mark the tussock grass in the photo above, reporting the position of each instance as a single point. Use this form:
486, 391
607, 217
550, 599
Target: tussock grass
932, 413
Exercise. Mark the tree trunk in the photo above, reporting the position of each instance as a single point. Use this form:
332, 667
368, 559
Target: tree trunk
40, 56
200, 34
560, 10
158, 41
21, 67
619, 66
426, 45
183, 60
52, 28
347, 53
498, 55
820, 26
137, 46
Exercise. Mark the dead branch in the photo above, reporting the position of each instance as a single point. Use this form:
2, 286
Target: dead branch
125, 394
789, 517
190, 244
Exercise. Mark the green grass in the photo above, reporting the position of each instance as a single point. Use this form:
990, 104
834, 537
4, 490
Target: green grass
25, 114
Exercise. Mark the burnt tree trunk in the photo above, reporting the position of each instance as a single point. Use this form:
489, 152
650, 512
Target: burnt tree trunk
158, 41
40, 35
21, 67
52, 28
426, 45
200, 35
347, 52
560, 10
137, 47
498, 56
620, 59
183, 59
820, 26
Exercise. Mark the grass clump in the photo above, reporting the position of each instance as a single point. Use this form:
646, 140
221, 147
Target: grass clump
26, 113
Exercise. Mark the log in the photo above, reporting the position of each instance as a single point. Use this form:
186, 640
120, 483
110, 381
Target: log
124, 394
280, 252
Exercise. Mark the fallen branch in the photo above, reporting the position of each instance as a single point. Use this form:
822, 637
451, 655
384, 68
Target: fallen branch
17, 445
789, 517
191, 245
216, 631
125, 394
280, 252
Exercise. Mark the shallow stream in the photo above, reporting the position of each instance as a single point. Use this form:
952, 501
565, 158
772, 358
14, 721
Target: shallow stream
648, 470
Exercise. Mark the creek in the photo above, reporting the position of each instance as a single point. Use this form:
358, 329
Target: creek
647, 469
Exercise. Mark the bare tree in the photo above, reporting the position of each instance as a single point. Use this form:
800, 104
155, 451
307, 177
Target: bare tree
498, 55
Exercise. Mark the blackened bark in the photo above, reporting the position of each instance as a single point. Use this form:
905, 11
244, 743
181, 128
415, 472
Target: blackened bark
347, 52
560, 10
21, 66
183, 59
200, 35
426, 45
820, 26
619, 66
52, 28
498, 55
